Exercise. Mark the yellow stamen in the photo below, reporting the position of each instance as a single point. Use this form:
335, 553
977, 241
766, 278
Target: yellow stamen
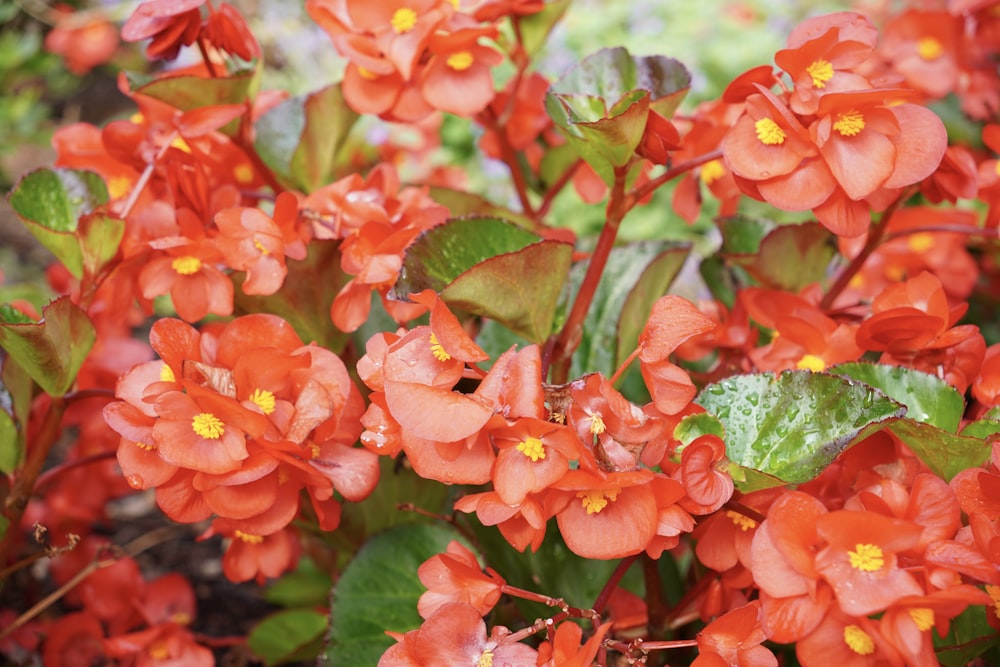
821, 71
144, 446
597, 425
994, 592
923, 617
314, 450
929, 48
119, 186
769, 133
367, 73
858, 640
867, 557
260, 247
810, 362
159, 651
849, 123
486, 659
208, 426
438, 350
186, 265
180, 618
460, 61
403, 20
595, 501
243, 173
136, 118
532, 448
744, 523
712, 171
921, 242
167, 374
263, 399
180, 144
247, 537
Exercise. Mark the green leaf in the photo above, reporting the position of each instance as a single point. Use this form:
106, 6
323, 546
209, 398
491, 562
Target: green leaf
397, 485
307, 586
792, 256
694, 426
51, 351
300, 138
654, 282
743, 236
982, 429
489, 267
15, 407
945, 453
927, 398
50, 203
305, 297
468, 204
601, 105
99, 235
793, 425
188, 92
287, 636
378, 591
969, 636
535, 28
636, 275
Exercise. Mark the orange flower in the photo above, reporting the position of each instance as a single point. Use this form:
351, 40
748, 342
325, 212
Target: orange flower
458, 78
734, 639
456, 576
923, 46
608, 515
84, 40
170, 23
846, 640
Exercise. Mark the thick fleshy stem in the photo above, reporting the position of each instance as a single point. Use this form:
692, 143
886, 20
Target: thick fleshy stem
27, 475
875, 237
572, 333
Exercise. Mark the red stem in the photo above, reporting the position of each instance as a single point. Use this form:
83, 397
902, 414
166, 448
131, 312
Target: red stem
25, 478
509, 156
602, 600
875, 238
640, 193
572, 332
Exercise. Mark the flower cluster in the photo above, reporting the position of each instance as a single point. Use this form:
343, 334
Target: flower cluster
408, 59
235, 423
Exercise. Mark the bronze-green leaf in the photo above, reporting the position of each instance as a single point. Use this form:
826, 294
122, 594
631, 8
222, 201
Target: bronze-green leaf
51, 351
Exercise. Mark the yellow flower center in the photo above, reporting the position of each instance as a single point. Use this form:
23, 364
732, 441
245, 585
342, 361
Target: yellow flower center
208, 426
263, 399
849, 123
923, 617
314, 450
532, 448
243, 173
438, 350
769, 133
403, 20
180, 144
810, 362
119, 186
744, 523
367, 73
167, 374
186, 265
712, 171
597, 425
248, 537
486, 659
858, 640
994, 592
821, 71
143, 446
929, 48
159, 651
460, 61
921, 242
595, 501
180, 618
867, 557
260, 247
